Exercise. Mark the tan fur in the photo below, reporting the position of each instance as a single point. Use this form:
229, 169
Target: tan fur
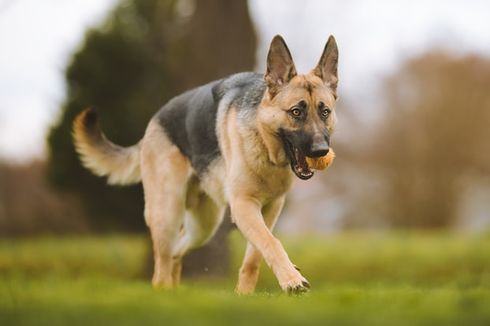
102, 157
252, 174
165, 172
249, 271
258, 174
309, 88
171, 190
253, 182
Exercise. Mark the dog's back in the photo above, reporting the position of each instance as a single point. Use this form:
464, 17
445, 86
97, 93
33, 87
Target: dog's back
190, 119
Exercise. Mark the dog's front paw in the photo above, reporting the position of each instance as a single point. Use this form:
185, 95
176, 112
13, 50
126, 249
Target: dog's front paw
299, 288
296, 285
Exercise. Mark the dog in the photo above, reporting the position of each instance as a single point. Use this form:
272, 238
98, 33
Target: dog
238, 141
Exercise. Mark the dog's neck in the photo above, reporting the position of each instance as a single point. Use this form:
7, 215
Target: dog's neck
269, 137
273, 145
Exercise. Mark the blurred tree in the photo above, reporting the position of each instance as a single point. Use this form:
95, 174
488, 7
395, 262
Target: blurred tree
433, 139
146, 52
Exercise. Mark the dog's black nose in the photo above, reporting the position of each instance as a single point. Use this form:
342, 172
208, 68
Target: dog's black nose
319, 150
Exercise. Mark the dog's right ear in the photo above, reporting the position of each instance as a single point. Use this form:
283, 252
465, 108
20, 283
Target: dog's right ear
280, 65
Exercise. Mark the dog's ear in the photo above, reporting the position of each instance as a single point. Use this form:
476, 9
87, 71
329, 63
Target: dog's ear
280, 65
327, 66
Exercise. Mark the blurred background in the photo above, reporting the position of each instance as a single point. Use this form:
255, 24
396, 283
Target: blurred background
414, 110
396, 232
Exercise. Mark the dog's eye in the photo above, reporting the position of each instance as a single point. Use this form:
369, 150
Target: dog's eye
296, 112
324, 111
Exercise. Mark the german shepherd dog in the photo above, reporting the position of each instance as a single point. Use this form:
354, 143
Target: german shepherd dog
237, 141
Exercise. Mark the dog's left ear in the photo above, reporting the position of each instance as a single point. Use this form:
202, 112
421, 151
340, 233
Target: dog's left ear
327, 66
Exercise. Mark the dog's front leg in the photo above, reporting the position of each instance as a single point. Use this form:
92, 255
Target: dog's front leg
249, 271
246, 212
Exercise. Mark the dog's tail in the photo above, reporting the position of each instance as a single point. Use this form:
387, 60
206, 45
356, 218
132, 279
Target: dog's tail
121, 165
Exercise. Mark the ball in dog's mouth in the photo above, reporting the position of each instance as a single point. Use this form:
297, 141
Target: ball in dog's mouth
303, 166
321, 163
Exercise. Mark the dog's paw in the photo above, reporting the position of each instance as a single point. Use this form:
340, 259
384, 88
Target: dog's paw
296, 286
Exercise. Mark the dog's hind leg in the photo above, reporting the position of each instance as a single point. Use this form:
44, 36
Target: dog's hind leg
200, 223
165, 172
249, 271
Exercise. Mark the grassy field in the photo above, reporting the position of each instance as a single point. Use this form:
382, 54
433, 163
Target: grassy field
357, 279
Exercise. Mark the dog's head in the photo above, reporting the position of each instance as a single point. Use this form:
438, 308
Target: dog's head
300, 109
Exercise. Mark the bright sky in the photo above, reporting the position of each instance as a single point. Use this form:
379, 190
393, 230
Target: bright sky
36, 40
374, 36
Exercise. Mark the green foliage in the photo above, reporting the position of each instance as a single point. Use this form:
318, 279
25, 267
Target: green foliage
145, 53
357, 278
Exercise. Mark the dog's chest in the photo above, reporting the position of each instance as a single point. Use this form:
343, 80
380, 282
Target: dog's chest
264, 180
270, 179
273, 181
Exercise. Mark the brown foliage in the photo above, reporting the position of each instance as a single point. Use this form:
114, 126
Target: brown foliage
434, 139
28, 204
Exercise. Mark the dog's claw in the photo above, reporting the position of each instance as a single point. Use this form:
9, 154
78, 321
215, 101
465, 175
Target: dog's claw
297, 268
299, 289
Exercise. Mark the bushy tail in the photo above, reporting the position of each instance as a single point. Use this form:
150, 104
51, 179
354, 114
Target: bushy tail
101, 156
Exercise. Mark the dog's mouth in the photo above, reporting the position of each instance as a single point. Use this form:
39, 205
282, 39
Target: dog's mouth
297, 160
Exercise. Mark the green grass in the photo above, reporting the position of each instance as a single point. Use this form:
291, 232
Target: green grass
357, 278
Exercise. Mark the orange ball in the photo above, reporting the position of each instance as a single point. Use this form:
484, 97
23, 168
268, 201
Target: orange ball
321, 163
